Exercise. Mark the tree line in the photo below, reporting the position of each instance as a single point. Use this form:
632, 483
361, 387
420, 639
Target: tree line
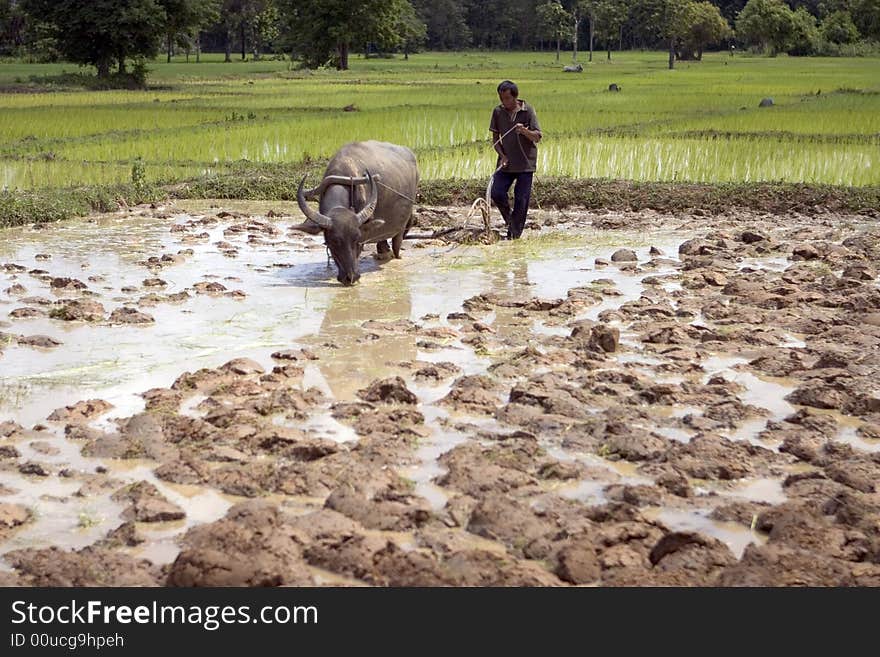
115, 34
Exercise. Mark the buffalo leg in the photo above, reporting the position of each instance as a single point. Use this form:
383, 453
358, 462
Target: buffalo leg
383, 251
397, 240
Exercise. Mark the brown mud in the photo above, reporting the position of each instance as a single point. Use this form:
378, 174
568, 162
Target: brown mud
620, 398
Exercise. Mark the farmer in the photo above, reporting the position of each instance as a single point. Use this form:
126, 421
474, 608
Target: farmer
515, 133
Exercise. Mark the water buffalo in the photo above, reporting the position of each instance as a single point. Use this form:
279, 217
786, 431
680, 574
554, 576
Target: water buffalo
366, 196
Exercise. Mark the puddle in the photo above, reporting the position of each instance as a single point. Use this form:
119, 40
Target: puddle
792, 342
589, 492
291, 300
850, 436
753, 490
674, 433
116, 363
748, 431
678, 412
723, 364
430, 450
736, 536
771, 264
640, 359
766, 393
322, 424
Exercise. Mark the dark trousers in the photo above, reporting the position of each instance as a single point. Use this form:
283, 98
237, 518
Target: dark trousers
522, 192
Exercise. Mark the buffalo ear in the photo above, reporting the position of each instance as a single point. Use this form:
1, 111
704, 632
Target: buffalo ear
369, 229
307, 227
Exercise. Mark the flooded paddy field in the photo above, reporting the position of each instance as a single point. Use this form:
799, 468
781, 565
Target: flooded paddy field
187, 397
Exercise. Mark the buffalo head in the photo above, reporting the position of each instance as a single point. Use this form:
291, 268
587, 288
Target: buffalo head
342, 230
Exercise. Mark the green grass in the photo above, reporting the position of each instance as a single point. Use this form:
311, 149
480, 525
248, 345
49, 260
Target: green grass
699, 123
23, 207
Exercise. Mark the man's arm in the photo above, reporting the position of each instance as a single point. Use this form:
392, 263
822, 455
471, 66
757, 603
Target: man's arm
496, 140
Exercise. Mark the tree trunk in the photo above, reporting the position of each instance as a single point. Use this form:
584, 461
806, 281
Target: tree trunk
198, 48
620, 45
609, 50
169, 48
592, 22
227, 42
243, 42
671, 53
104, 69
699, 53
342, 48
574, 42
122, 66
557, 48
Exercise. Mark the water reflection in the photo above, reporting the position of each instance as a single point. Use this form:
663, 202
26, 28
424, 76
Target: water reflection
353, 356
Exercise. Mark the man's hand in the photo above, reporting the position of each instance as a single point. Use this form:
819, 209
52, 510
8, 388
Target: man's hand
504, 161
531, 135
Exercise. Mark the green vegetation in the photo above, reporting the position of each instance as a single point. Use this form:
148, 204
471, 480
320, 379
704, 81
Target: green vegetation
24, 207
88, 518
250, 130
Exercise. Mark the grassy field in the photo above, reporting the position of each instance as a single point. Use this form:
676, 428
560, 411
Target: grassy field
698, 123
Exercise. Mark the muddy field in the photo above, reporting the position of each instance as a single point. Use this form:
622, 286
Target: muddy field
187, 397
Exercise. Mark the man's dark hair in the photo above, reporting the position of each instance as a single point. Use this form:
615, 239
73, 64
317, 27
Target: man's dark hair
507, 85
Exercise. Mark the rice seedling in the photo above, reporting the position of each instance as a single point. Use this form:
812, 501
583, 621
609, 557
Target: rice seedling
698, 123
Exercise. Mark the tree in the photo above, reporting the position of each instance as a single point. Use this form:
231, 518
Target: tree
445, 23
610, 16
230, 11
411, 28
238, 16
265, 25
604, 17
553, 22
672, 20
246, 12
323, 31
767, 24
499, 23
729, 8
866, 16
208, 12
838, 27
576, 10
102, 32
12, 27
590, 7
641, 25
804, 37
705, 25
184, 18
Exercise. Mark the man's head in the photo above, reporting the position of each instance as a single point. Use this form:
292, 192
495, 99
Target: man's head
508, 93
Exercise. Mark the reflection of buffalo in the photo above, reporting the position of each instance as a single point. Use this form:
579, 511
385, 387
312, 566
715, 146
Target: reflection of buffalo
350, 216
359, 355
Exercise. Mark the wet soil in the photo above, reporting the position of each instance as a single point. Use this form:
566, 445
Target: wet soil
621, 398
